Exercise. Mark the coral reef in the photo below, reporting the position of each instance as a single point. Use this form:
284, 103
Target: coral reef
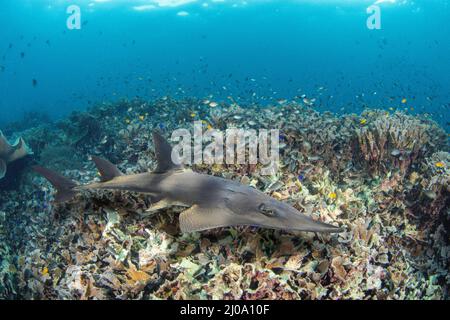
386, 142
30, 119
80, 129
384, 178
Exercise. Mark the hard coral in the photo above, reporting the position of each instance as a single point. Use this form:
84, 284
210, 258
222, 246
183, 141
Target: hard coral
435, 186
397, 141
11, 152
80, 129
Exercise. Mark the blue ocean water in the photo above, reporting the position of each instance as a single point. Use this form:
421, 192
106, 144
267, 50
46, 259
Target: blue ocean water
254, 51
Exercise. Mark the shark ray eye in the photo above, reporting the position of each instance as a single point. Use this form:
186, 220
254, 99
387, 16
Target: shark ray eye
266, 210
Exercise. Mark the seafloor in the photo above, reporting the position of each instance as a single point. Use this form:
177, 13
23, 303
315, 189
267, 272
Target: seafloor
382, 176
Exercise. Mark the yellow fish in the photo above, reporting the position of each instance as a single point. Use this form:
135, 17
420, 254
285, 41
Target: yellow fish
363, 121
404, 101
192, 115
141, 118
332, 195
44, 271
440, 164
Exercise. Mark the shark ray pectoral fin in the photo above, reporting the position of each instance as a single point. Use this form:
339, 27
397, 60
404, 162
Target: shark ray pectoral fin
158, 203
198, 218
164, 204
163, 152
107, 170
2, 169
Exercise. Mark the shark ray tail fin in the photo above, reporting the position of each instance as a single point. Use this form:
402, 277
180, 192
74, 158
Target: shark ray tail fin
107, 170
64, 186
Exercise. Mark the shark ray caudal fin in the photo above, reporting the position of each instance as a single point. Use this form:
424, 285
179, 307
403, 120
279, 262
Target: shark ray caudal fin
64, 186
107, 170
163, 152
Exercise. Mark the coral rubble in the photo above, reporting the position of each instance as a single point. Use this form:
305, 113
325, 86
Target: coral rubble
385, 178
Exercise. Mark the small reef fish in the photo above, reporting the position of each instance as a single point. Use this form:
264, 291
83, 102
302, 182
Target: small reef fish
440, 164
213, 201
44, 271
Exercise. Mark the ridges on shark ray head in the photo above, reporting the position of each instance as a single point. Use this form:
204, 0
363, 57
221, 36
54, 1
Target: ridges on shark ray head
253, 207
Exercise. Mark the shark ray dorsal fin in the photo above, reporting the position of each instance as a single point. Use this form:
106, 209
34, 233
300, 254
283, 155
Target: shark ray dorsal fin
198, 218
163, 152
2, 169
107, 170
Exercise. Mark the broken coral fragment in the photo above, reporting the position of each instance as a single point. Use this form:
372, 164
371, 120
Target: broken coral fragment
11, 152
